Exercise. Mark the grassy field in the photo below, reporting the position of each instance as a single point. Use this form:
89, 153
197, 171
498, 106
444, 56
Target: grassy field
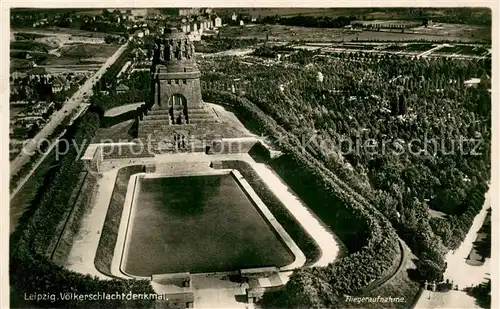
199, 224
284, 33
29, 45
398, 36
14, 111
463, 49
89, 50
118, 132
420, 47
19, 64
64, 31
292, 33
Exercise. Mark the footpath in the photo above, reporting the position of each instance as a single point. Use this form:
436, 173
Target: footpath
461, 273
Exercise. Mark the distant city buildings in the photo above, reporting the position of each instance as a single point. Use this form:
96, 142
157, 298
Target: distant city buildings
388, 24
218, 22
134, 14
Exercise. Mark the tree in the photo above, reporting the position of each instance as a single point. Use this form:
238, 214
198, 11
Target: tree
306, 290
482, 293
430, 271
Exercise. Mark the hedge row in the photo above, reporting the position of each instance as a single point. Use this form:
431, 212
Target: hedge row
287, 220
83, 203
370, 238
109, 234
31, 270
454, 228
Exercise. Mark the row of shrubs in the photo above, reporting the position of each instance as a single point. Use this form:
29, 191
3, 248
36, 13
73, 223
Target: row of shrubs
82, 203
369, 237
31, 270
284, 217
454, 228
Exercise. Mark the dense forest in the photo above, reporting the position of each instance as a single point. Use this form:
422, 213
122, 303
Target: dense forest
370, 240
427, 163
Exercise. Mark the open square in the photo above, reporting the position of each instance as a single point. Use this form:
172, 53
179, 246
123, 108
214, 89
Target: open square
198, 224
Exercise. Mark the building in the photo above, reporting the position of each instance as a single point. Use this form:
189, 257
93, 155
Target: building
178, 112
194, 36
218, 22
59, 84
189, 11
122, 88
134, 14
385, 24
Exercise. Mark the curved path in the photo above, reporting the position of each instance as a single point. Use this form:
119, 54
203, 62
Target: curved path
328, 243
82, 254
115, 111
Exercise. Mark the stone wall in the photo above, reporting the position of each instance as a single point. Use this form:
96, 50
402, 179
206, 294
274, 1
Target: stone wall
92, 163
189, 88
150, 168
227, 146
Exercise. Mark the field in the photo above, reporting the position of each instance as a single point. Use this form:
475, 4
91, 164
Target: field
89, 50
285, 33
84, 56
293, 33
29, 45
62, 31
199, 224
14, 111
463, 49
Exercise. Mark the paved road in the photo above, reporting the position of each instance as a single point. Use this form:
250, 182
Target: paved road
58, 117
230, 52
82, 254
460, 272
17, 210
430, 51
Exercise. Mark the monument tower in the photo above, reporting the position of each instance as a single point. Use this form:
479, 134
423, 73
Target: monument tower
177, 111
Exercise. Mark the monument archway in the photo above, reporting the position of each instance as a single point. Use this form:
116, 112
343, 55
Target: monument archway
178, 109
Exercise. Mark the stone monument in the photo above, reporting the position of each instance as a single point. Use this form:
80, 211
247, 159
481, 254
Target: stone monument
177, 105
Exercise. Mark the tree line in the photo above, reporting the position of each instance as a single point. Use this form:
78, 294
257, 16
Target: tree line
31, 270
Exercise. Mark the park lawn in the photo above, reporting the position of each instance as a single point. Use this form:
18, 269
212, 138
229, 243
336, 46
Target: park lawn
89, 50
